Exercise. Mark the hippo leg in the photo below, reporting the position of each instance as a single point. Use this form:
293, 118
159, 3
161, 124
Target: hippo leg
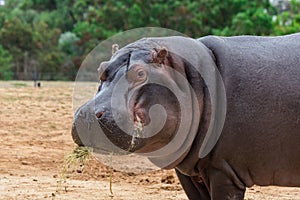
222, 187
194, 190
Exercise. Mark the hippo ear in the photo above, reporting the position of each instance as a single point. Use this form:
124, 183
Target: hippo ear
114, 48
158, 56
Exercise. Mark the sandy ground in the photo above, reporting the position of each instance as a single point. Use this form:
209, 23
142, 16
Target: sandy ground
35, 135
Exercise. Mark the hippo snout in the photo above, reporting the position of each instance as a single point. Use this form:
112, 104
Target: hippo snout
96, 129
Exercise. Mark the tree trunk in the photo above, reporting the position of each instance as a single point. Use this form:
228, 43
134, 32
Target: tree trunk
26, 65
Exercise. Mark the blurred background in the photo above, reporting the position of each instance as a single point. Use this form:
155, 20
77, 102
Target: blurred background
48, 39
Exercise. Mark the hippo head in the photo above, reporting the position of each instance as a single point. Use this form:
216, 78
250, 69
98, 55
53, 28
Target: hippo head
147, 95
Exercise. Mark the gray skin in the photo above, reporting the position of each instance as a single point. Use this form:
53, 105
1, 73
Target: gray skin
260, 141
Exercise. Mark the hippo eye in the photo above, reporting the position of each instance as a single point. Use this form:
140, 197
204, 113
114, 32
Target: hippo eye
141, 74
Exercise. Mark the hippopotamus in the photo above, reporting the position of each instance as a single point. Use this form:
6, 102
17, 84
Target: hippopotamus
247, 88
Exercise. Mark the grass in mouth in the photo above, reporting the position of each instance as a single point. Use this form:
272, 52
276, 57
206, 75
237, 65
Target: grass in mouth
137, 132
77, 158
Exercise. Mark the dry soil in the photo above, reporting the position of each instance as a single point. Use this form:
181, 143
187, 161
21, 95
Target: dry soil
35, 135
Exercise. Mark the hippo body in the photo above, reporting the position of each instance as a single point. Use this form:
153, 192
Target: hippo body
260, 140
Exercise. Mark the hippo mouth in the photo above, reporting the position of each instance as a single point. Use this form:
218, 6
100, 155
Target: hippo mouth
138, 110
138, 116
107, 127
101, 132
105, 137
127, 141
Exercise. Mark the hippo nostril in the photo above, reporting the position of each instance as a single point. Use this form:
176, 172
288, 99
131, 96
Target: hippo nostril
99, 114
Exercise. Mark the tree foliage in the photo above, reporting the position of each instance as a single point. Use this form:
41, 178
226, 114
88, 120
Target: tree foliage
52, 37
288, 21
5, 64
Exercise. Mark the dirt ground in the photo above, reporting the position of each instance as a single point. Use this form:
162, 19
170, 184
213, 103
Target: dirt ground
35, 135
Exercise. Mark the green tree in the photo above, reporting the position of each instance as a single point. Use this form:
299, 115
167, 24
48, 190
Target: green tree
6, 72
16, 37
67, 43
288, 21
48, 56
54, 36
